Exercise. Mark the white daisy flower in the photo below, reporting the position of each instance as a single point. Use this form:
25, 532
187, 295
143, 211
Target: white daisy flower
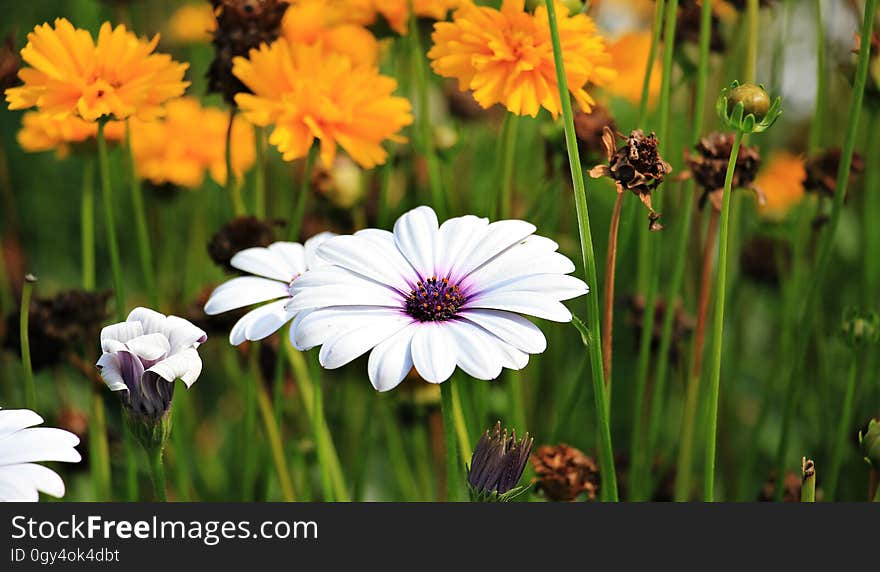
434, 297
22, 445
275, 269
145, 354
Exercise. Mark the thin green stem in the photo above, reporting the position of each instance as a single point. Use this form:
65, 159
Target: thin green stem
233, 189
805, 315
397, 453
260, 175
461, 431
99, 460
656, 30
131, 464
109, 222
718, 326
608, 294
508, 154
87, 226
30, 392
157, 472
606, 450
870, 212
452, 471
753, 14
383, 218
145, 252
299, 210
423, 120
249, 452
818, 122
843, 426
808, 481
270, 425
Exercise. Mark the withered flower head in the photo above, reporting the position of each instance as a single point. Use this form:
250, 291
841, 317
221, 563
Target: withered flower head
683, 324
10, 62
709, 167
241, 26
590, 128
565, 472
822, 171
59, 324
497, 465
791, 486
238, 234
635, 166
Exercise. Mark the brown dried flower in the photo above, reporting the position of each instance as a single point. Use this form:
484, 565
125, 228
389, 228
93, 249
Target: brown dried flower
590, 128
791, 484
10, 62
238, 234
635, 166
709, 167
683, 324
241, 26
565, 472
822, 171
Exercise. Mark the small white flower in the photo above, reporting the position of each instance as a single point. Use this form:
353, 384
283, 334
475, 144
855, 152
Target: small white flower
433, 297
22, 445
275, 269
144, 349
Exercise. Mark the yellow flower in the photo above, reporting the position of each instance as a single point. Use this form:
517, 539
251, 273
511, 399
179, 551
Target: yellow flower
629, 55
506, 56
44, 132
116, 76
337, 12
396, 12
308, 93
365, 12
782, 183
313, 23
188, 141
192, 24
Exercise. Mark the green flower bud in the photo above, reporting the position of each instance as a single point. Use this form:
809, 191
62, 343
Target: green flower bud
747, 108
860, 329
754, 98
870, 442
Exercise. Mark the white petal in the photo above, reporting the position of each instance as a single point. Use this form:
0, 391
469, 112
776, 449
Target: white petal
528, 257
152, 321
12, 420
183, 334
312, 260
355, 342
391, 360
323, 324
119, 333
244, 291
39, 444
360, 256
555, 286
477, 354
383, 243
500, 236
333, 286
260, 323
264, 262
538, 306
415, 234
433, 352
457, 237
292, 255
512, 358
512, 328
21, 483
186, 366
294, 328
149, 346
108, 366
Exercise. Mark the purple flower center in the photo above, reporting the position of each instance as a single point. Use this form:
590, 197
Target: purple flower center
434, 300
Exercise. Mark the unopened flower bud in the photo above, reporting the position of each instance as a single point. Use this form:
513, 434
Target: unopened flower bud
754, 98
497, 465
870, 443
342, 184
860, 329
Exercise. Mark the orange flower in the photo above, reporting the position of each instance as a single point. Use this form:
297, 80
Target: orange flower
313, 23
44, 132
629, 54
116, 76
396, 12
192, 24
189, 141
782, 183
308, 93
506, 56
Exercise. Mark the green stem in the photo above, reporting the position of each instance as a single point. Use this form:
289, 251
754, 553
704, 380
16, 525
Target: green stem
606, 450
508, 154
109, 223
383, 218
423, 121
816, 128
260, 175
871, 210
447, 409
157, 472
808, 481
270, 424
718, 326
140, 219
608, 294
233, 189
99, 460
30, 392
461, 431
843, 426
249, 451
817, 278
753, 15
299, 210
131, 468
656, 29
87, 226
397, 453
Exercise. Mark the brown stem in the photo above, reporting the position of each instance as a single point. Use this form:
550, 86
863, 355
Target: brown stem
705, 290
610, 265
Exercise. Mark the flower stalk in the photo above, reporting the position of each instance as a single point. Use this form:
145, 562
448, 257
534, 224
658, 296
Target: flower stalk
87, 226
508, 154
843, 425
109, 222
610, 266
452, 470
140, 218
302, 199
157, 471
30, 392
233, 189
808, 480
609, 477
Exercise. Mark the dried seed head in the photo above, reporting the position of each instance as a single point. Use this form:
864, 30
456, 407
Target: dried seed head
709, 166
590, 127
241, 26
822, 171
497, 464
791, 485
238, 234
565, 472
635, 166
10, 62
